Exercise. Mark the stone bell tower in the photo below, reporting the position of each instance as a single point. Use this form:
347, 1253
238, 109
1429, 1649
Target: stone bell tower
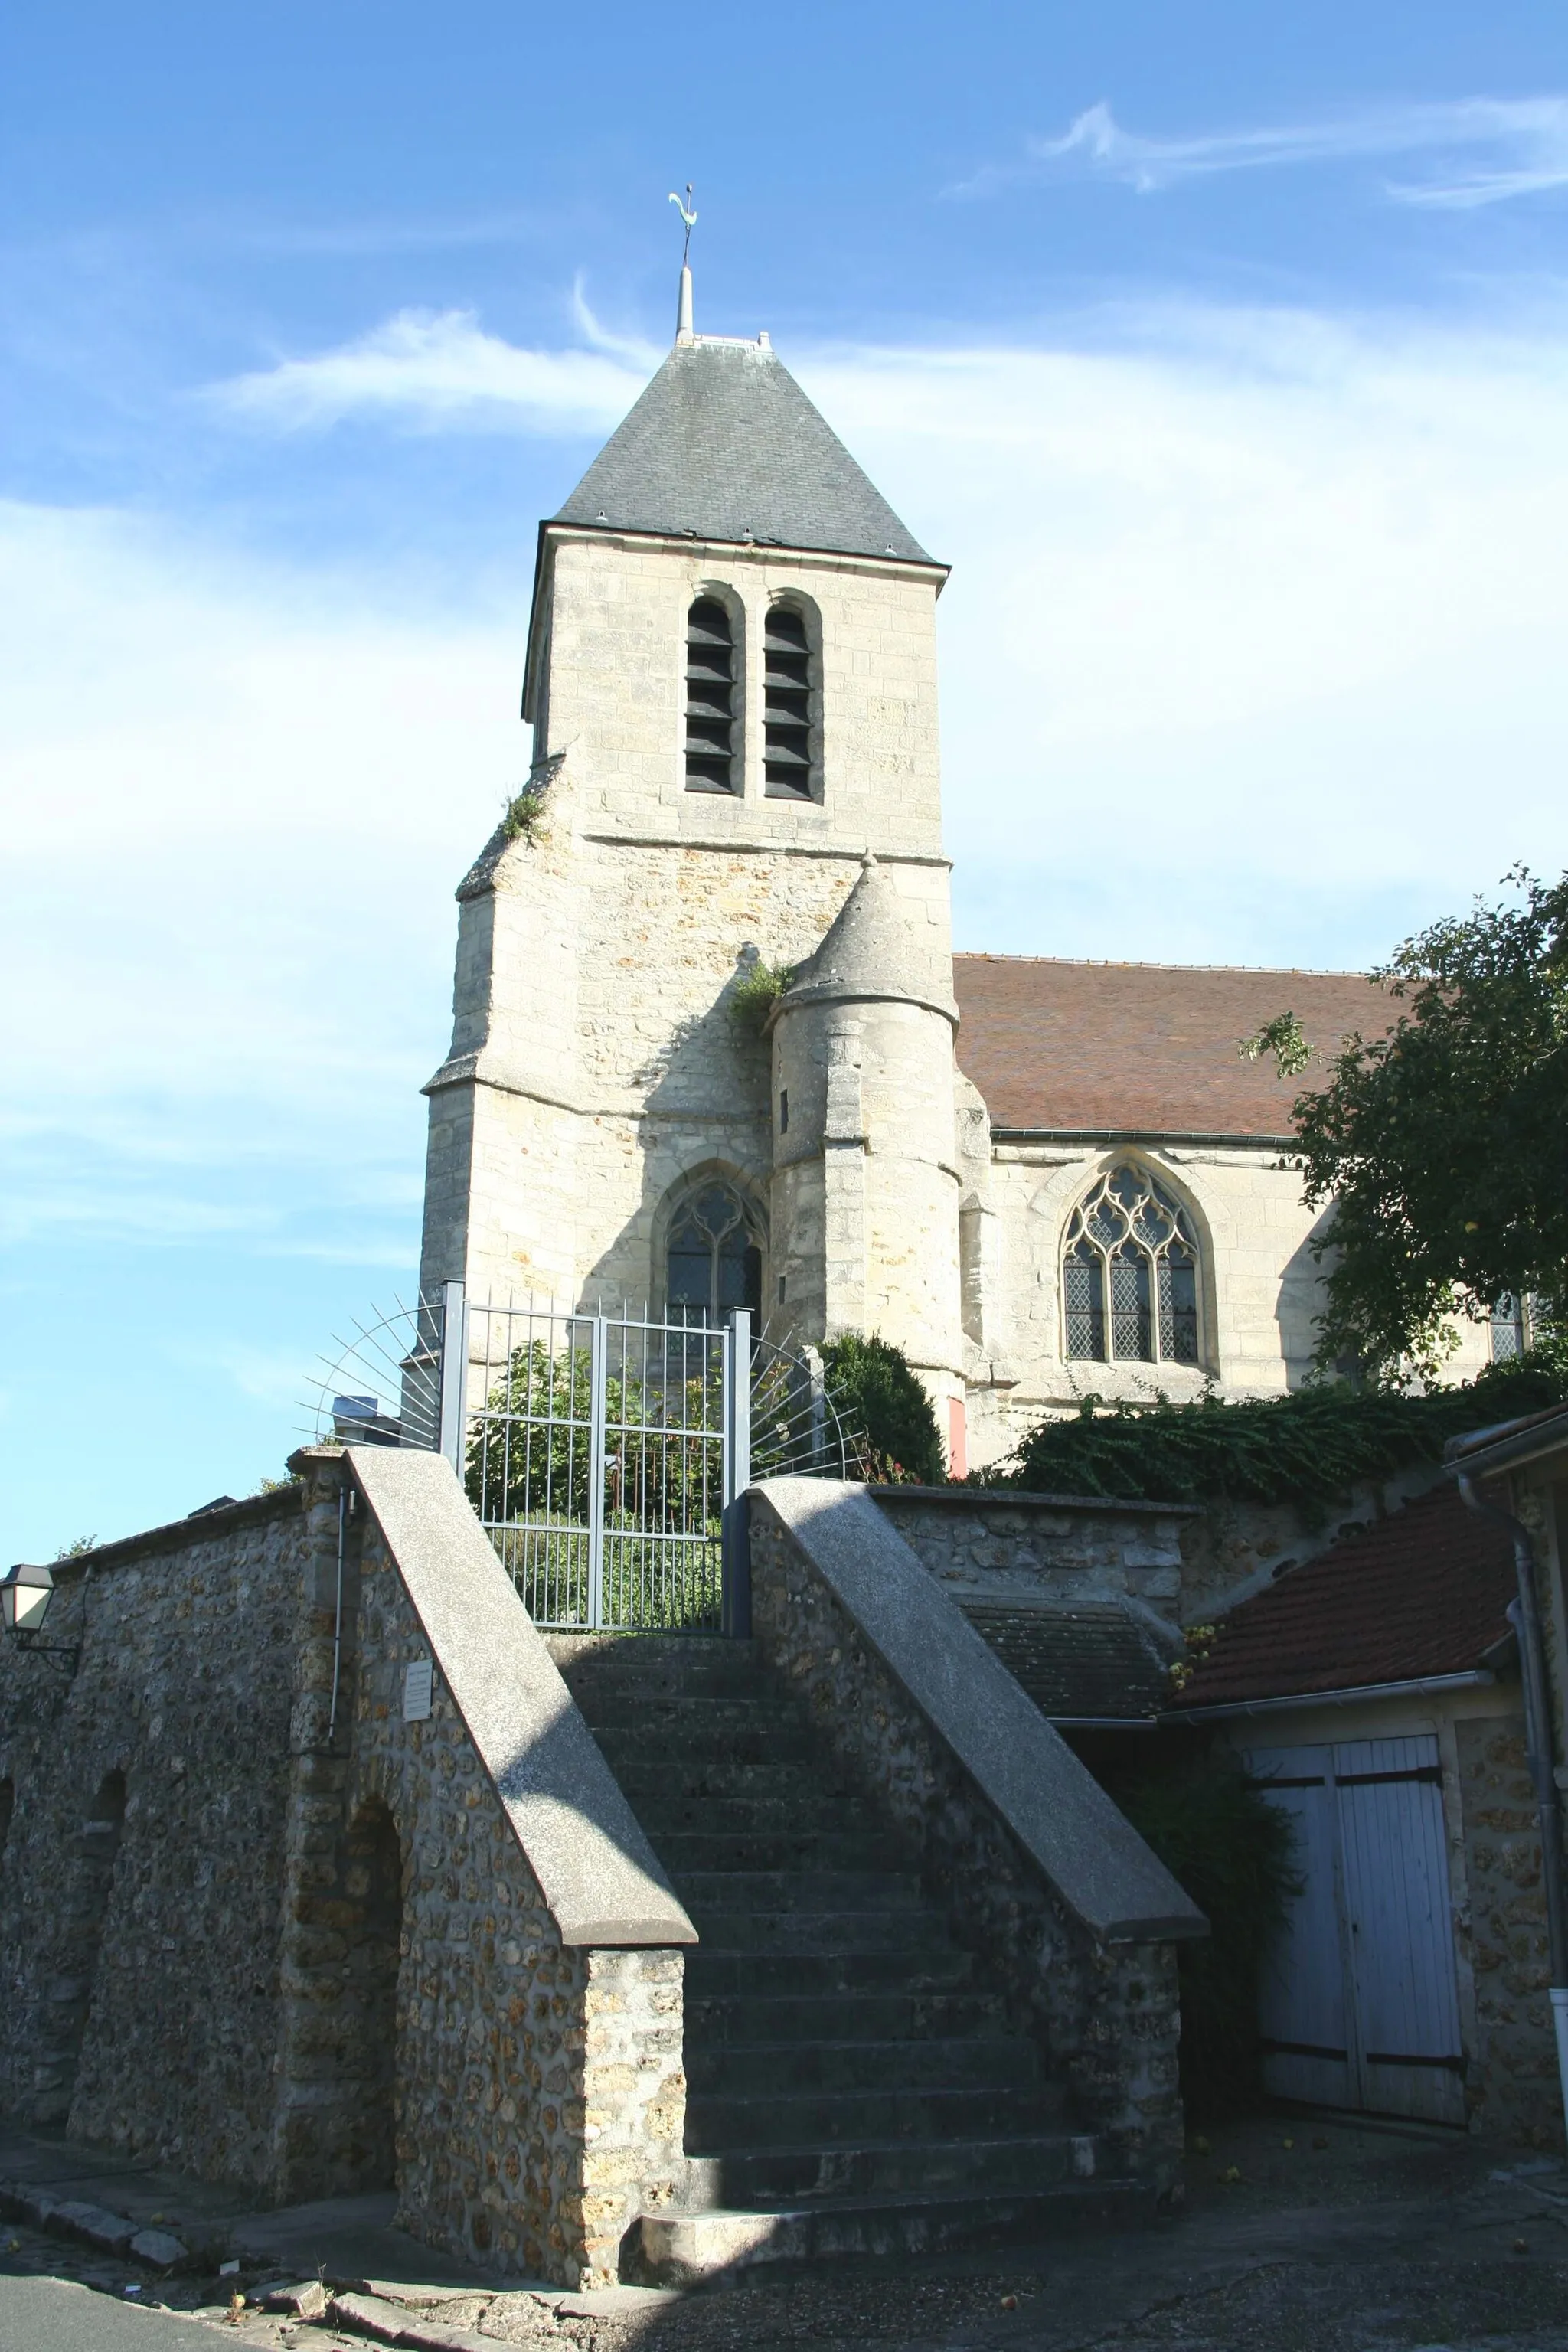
731, 684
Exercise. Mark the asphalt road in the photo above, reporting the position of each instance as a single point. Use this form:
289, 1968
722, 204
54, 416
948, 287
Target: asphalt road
52, 2314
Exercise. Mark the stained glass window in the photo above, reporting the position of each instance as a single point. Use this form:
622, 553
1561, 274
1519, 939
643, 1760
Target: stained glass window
714, 1264
1129, 1273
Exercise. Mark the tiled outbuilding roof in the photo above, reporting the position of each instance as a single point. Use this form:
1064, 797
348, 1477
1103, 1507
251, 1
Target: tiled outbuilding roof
1144, 1048
1424, 1592
724, 445
1091, 1662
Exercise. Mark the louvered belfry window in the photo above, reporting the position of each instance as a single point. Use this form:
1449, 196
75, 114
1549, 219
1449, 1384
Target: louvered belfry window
788, 713
1130, 1275
710, 697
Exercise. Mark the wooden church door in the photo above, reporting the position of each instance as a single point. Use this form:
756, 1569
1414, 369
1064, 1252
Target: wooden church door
1360, 2003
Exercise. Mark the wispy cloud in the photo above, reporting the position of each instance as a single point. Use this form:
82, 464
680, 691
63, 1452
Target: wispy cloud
440, 367
1482, 150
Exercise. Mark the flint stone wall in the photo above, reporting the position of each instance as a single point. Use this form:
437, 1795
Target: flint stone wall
316, 1949
1106, 2017
540, 2096
185, 1686
1002, 1545
1184, 1561
1512, 2093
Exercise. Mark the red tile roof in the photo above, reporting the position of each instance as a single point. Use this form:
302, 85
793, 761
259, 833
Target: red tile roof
1424, 1592
1142, 1047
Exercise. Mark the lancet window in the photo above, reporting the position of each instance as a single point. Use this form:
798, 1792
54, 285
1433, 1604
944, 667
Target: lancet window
788, 715
1129, 1273
710, 713
714, 1264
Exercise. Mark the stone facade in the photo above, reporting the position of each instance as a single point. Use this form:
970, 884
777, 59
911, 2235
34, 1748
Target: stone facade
596, 1064
597, 1075
1106, 2016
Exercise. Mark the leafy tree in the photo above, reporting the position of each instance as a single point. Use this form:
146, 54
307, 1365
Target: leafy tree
876, 1391
1443, 1146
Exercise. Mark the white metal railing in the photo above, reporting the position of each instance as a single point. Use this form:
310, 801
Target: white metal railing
601, 1451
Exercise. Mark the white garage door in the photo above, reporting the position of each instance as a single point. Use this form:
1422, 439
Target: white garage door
1360, 2008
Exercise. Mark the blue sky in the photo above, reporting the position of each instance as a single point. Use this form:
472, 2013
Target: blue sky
1223, 352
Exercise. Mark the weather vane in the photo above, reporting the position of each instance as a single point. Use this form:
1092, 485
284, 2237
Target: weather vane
689, 217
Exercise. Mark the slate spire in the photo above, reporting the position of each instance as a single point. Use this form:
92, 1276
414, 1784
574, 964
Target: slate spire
724, 445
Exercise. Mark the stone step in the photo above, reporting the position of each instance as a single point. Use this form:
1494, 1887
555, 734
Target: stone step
668, 1661
713, 2019
688, 1854
763, 2069
730, 1779
681, 2249
798, 1811
917, 1936
707, 1893
666, 1747
891, 2167
717, 2121
711, 1716
914, 1973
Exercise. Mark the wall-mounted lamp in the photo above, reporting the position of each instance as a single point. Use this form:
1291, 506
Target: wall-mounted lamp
25, 1593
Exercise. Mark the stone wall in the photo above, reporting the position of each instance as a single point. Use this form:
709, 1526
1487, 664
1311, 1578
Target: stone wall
1184, 1562
540, 2101
1511, 2087
141, 1882
1106, 2016
1005, 1546
256, 1926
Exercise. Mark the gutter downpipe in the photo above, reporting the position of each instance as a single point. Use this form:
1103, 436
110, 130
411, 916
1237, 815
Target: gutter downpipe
1525, 1616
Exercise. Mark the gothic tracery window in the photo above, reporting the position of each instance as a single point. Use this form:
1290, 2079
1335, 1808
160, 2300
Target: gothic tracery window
1129, 1273
713, 1263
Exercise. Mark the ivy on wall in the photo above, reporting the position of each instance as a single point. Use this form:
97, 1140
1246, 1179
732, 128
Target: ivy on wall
1307, 1448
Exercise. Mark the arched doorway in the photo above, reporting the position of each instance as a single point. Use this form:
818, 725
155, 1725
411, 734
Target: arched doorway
63, 2026
371, 1911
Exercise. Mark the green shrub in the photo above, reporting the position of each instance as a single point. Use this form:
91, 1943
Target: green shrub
753, 997
880, 1398
1234, 1854
1307, 1448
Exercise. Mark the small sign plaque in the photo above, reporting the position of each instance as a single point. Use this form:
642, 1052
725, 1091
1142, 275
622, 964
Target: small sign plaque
417, 1691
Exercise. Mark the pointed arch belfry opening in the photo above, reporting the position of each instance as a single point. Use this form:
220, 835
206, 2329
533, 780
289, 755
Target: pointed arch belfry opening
69, 2002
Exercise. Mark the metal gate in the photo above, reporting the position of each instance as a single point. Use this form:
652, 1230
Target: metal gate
1360, 2002
600, 1451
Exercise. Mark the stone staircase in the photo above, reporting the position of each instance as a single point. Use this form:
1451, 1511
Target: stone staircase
855, 2084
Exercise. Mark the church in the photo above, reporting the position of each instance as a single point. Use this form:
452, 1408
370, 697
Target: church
712, 1046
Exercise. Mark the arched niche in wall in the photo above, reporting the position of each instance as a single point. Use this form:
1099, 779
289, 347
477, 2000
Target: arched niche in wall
90, 1883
